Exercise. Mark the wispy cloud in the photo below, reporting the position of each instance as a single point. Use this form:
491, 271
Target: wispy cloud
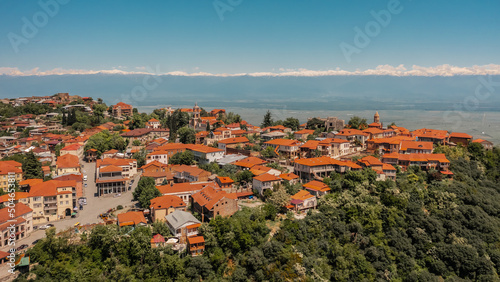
386, 70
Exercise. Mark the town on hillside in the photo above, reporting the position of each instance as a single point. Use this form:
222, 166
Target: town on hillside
78, 163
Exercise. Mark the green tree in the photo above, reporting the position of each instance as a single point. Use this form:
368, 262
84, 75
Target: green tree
140, 156
268, 153
185, 158
357, 123
268, 120
292, 123
32, 168
160, 227
187, 135
145, 191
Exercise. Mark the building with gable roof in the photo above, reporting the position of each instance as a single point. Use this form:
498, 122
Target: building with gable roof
211, 202
165, 205
22, 218
10, 170
132, 218
182, 224
67, 164
265, 181
303, 201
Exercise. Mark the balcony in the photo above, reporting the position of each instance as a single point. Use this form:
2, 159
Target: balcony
50, 207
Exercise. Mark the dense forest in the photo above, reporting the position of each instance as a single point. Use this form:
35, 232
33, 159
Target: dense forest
419, 228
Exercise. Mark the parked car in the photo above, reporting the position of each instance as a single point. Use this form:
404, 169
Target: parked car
36, 241
46, 226
85, 177
22, 247
85, 185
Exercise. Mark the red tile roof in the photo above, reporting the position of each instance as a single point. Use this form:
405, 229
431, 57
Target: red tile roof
266, 177
235, 140
208, 197
289, 176
131, 218
67, 161
460, 135
19, 210
316, 185
283, 142
167, 201
302, 195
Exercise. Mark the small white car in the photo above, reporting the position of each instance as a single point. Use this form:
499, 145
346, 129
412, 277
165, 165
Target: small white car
85, 177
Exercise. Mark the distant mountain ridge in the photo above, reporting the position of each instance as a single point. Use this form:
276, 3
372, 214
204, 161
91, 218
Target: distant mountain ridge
299, 93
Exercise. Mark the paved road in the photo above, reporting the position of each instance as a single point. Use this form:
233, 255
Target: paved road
95, 206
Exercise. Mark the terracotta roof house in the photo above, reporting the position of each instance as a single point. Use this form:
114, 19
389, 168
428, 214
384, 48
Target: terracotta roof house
320, 167
249, 162
22, 217
6, 170
196, 245
303, 200
459, 138
303, 134
431, 135
133, 218
122, 109
185, 173
224, 182
157, 241
265, 181
165, 205
183, 190
232, 143
488, 145
425, 161
317, 188
287, 147
67, 164
290, 177
211, 202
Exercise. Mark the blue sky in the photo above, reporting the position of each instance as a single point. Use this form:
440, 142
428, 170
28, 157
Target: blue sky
255, 36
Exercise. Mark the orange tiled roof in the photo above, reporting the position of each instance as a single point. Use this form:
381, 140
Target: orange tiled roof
192, 170
460, 135
167, 201
249, 162
19, 210
225, 180
18, 196
289, 176
112, 151
196, 240
302, 195
304, 131
234, 140
310, 144
350, 132
122, 105
319, 161
316, 185
419, 145
111, 168
208, 197
182, 187
370, 161
67, 161
31, 182
266, 177
131, 218
49, 188
9, 166
388, 167
283, 142
203, 149
116, 162
72, 147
